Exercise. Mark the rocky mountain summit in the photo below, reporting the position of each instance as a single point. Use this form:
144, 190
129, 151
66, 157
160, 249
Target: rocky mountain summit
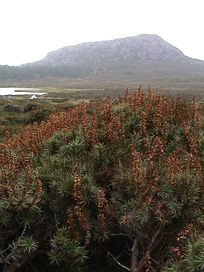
119, 53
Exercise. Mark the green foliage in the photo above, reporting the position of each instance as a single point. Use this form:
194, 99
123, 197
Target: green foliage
124, 177
193, 260
28, 244
63, 249
38, 116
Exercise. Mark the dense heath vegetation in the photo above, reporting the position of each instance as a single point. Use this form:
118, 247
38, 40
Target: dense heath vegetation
105, 186
22, 73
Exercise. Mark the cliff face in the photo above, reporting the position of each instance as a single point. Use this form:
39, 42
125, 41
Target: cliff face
117, 53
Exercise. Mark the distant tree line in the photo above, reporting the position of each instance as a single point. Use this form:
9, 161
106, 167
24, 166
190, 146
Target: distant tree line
40, 72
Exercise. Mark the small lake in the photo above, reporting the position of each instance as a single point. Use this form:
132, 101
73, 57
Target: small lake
20, 91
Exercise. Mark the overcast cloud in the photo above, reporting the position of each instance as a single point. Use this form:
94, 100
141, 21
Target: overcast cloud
30, 29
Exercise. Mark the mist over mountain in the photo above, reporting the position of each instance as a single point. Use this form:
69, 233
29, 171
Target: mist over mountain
111, 54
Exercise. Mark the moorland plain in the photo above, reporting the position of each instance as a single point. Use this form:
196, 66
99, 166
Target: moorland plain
63, 93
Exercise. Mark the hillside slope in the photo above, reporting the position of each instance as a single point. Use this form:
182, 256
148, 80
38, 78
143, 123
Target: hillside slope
117, 53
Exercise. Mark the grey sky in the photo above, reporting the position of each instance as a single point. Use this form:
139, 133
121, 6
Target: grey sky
30, 29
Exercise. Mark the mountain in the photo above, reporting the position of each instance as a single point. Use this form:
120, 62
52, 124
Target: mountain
119, 53
144, 59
